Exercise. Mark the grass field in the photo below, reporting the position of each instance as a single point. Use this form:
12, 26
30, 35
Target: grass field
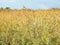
30, 27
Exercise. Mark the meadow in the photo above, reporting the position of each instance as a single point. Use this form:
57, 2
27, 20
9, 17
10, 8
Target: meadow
30, 27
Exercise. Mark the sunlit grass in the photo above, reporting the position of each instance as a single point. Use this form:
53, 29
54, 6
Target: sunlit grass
30, 27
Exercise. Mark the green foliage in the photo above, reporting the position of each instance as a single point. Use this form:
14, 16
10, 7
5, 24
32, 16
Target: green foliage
7, 8
1, 8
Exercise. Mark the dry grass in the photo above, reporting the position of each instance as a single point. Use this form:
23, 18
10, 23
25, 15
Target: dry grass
29, 27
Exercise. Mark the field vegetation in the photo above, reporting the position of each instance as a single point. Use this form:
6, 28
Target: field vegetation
29, 27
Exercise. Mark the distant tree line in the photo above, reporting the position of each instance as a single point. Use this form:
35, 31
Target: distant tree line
4, 8
8, 8
55, 8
